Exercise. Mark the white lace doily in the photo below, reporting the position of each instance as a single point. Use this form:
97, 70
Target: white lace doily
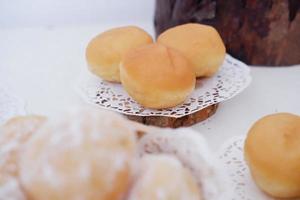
232, 156
10, 104
192, 150
233, 77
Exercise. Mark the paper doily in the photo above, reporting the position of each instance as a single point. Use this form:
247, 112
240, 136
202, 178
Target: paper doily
10, 105
232, 156
192, 150
232, 78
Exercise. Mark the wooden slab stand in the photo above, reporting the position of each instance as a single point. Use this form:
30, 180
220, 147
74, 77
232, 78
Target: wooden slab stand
172, 122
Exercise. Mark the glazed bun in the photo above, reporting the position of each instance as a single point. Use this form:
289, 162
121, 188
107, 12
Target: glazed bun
164, 177
105, 51
157, 76
13, 135
85, 154
201, 44
272, 151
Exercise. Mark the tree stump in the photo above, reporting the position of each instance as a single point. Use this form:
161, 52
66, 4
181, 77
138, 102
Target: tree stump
258, 32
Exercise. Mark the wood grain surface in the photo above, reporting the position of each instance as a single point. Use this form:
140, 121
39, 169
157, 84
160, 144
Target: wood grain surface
257, 32
172, 122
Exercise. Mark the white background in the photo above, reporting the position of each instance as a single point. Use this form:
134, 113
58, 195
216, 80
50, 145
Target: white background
42, 55
30, 13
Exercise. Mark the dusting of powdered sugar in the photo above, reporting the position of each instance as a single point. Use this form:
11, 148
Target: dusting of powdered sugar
13, 135
192, 150
174, 184
10, 189
87, 138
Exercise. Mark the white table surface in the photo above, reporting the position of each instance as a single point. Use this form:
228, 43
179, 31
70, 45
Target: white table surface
42, 65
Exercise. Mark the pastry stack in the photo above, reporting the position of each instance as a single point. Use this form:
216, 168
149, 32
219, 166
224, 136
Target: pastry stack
159, 74
92, 154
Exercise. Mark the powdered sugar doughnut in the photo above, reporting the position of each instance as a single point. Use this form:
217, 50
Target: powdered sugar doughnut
192, 150
13, 135
84, 154
162, 177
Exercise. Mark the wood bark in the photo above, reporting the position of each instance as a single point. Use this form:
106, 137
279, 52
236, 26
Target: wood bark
258, 32
172, 122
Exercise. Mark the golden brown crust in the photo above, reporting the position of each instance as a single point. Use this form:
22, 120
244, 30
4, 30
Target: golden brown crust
157, 76
272, 151
105, 51
201, 44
